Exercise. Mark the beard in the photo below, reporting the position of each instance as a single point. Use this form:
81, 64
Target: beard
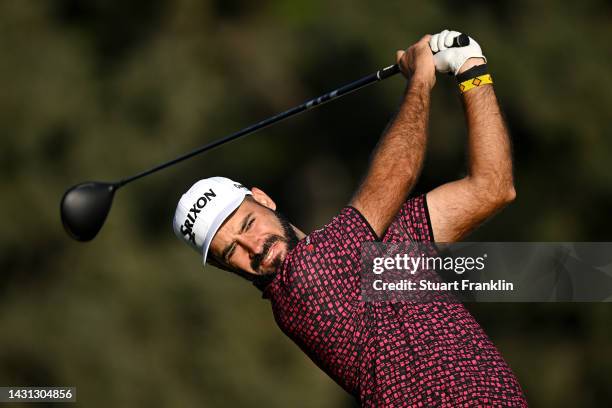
289, 237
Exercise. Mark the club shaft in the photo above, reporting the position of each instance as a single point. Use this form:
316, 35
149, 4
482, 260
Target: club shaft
337, 93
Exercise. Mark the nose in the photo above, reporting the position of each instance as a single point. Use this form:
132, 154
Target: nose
252, 244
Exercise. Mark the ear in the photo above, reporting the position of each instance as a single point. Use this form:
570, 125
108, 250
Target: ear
263, 199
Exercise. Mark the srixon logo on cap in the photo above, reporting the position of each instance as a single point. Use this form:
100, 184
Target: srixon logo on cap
192, 215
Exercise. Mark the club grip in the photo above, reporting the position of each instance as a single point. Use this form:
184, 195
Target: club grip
461, 41
388, 71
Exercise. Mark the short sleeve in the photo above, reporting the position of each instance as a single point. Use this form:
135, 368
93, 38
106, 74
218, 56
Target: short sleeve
412, 222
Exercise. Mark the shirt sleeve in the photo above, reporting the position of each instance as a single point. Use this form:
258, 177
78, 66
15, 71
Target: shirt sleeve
412, 222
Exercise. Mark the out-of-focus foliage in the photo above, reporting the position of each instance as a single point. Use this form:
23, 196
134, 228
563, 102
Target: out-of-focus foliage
103, 89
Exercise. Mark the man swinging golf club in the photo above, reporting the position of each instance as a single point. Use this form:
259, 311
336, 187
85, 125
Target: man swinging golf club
386, 354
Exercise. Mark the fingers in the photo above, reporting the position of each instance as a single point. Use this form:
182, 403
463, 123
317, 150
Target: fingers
450, 37
433, 43
419, 45
441, 40
402, 60
424, 40
423, 43
398, 55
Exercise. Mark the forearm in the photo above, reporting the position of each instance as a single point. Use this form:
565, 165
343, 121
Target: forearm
457, 207
490, 158
397, 159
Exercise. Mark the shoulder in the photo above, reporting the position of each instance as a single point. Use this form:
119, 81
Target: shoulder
337, 243
412, 222
349, 225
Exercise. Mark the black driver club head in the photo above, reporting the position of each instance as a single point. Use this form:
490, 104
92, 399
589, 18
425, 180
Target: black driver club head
84, 208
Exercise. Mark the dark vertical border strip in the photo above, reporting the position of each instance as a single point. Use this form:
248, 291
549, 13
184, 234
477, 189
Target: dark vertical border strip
429, 226
374, 234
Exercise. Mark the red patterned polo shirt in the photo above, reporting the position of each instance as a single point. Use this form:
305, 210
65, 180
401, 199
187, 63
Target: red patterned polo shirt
386, 354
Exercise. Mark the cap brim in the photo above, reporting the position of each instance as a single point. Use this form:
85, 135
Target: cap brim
216, 224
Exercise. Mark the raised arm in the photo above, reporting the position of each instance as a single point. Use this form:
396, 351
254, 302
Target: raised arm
398, 157
456, 208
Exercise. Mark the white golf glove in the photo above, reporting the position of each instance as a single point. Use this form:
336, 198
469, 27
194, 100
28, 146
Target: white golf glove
451, 59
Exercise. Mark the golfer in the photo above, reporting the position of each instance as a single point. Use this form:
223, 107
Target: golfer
386, 354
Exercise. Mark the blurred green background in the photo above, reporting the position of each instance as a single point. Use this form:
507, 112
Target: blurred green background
98, 90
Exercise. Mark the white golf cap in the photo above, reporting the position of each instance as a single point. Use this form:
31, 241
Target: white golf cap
203, 208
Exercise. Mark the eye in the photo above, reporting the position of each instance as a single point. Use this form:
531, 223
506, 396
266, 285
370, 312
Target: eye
230, 253
250, 223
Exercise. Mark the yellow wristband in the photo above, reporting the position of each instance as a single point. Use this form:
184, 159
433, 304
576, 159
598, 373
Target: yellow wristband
475, 82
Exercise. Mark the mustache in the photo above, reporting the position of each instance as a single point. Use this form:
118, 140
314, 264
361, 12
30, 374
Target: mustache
258, 258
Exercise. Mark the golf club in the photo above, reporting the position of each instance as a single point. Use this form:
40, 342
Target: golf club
84, 207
